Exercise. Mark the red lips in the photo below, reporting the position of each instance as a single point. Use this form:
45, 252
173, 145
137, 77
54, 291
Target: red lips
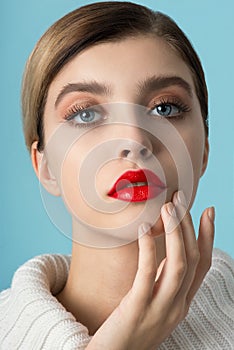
137, 186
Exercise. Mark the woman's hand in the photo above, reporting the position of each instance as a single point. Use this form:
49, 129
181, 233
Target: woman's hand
161, 295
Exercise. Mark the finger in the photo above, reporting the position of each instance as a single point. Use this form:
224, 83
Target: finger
190, 242
147, 266
205, 245
175, 265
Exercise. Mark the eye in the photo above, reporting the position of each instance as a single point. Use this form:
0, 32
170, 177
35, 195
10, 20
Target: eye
169, 107
80, 116
166, 110
86, 116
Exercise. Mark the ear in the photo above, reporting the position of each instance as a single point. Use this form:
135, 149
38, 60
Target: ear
205, 156
43, 172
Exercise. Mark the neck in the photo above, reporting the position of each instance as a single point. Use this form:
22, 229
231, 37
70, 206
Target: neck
98, 280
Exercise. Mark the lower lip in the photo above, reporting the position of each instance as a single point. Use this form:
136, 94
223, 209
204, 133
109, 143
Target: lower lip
137, 193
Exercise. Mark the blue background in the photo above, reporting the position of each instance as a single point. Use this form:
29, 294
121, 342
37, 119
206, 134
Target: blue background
25, 227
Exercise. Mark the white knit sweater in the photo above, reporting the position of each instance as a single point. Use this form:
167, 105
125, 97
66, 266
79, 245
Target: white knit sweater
31, 318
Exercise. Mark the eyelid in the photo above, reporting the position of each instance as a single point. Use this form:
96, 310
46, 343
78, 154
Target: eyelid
182, 108
76, 109
172, 100
73, 100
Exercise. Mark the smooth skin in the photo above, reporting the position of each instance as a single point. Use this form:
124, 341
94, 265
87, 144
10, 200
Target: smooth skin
161, 295
132, 296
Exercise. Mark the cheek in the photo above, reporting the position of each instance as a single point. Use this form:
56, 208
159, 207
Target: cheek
183, 165
195, 143
75, 192
194, 139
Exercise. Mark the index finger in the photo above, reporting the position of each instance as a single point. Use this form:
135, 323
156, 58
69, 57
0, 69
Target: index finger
175, 266
147, 267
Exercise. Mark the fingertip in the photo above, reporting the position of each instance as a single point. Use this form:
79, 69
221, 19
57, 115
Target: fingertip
168, 209
208, 216
211, 214
143, 229
179, 199
169, 217
207, 222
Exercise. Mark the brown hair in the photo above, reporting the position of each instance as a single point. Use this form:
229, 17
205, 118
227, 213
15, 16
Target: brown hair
89, 25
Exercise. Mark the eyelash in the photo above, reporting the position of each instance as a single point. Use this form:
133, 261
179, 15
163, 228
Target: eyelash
74, 111
174, 102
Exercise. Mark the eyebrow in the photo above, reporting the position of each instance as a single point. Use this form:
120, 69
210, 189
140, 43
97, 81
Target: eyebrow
155, 83
92, 87
144, 87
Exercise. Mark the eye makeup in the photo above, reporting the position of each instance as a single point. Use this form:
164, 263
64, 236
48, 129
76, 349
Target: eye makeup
85, 115
169, 107
82, 109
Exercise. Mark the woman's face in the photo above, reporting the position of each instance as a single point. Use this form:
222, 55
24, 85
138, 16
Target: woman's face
114, 110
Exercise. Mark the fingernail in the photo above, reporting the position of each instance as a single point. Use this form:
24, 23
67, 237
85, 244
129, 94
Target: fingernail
181, 198
143, 228
211, 213
171, 209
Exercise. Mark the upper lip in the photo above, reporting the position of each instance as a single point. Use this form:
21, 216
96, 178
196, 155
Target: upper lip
139, 175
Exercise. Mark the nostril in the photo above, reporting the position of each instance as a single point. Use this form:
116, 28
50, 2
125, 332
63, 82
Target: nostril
144, 152
125, 153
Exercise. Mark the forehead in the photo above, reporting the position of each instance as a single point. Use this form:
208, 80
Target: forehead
123, 64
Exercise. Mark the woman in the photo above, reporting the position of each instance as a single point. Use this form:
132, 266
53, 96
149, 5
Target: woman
115, 117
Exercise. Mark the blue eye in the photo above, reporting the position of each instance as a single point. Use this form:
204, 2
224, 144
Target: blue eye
84, 116
166, 110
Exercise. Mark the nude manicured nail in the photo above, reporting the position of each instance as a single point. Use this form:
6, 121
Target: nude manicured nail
171, 209
143, 228
211, 213
181, 198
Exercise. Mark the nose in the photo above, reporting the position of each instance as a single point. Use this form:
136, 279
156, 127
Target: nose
136, 147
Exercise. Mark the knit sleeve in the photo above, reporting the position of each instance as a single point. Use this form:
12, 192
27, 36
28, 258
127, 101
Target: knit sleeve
209, 324
31, 317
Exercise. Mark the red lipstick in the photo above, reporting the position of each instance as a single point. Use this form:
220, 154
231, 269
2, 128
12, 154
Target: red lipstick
137, 186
